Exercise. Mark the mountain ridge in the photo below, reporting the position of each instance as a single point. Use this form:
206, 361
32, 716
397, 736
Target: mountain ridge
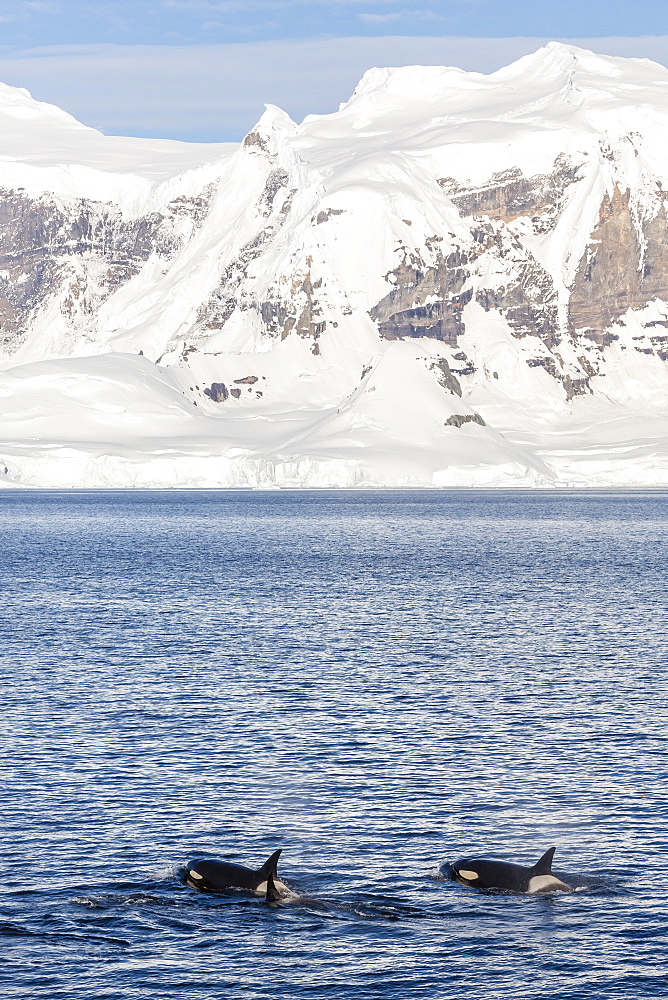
467, 287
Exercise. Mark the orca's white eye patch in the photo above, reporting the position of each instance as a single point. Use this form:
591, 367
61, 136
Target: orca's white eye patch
467, 875
194, 874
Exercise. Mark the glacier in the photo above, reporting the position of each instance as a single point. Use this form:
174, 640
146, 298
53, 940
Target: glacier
455, 280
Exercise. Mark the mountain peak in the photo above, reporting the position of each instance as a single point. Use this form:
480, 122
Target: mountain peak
271, 132
547, 69
17, 102
560, 58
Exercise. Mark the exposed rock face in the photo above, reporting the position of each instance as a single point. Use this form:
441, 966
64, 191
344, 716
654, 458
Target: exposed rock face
310, 322
445, 377
425, 303
326, 214
84, 252
459, 419
624, 267
572, 386
509, 195
529, 299
217, 391
274, 205
428, 301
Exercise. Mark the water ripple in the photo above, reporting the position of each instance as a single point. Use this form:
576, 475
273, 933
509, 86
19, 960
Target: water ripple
379, 684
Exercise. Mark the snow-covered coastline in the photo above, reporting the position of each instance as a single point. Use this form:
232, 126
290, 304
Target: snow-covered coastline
456, 280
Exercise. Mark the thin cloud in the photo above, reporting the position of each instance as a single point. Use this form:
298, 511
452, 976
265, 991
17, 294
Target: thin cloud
104, 13
380, 18
43, 7
402, 15
242, 6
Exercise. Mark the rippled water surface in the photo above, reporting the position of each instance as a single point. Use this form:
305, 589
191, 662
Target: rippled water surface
377, 683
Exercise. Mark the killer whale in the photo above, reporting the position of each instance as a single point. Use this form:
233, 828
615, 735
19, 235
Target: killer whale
484, 873
209, 875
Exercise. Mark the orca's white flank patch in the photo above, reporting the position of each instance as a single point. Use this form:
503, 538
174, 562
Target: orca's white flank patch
261, 889
543, 883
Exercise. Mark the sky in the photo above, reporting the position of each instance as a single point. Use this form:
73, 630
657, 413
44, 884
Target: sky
202, 70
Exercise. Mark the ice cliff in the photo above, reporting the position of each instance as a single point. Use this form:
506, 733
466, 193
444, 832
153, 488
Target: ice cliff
454, 280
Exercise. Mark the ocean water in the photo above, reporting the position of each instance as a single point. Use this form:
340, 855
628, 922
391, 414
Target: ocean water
378, 683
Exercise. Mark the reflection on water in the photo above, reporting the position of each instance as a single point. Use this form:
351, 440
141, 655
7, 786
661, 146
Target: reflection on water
379, 683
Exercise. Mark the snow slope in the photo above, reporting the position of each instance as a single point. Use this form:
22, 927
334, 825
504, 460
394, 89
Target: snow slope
454, 280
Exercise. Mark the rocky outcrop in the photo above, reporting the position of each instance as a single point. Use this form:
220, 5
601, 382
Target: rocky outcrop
425, 301
554, 366
625, 266
445, 377
527, 298
229, 293
429, 301
509, 195
84, 251
217, 391
310, 322
459, 419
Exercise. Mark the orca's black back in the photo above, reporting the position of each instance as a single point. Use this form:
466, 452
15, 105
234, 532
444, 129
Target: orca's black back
497, 874
222, 874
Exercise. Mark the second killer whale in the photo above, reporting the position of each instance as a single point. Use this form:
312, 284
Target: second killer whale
486, 873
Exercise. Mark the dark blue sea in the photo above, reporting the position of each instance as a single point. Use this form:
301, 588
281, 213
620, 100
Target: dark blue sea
379, 683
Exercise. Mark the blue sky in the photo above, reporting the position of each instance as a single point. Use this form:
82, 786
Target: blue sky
31, 23
203, 69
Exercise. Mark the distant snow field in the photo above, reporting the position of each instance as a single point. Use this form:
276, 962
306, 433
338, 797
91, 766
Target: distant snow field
456, 280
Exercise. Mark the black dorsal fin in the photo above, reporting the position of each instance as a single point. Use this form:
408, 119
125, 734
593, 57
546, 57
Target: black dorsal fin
270, 865
544, 865
273, 895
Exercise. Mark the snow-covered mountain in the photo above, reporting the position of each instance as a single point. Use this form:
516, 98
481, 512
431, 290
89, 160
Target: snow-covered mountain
456, 279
